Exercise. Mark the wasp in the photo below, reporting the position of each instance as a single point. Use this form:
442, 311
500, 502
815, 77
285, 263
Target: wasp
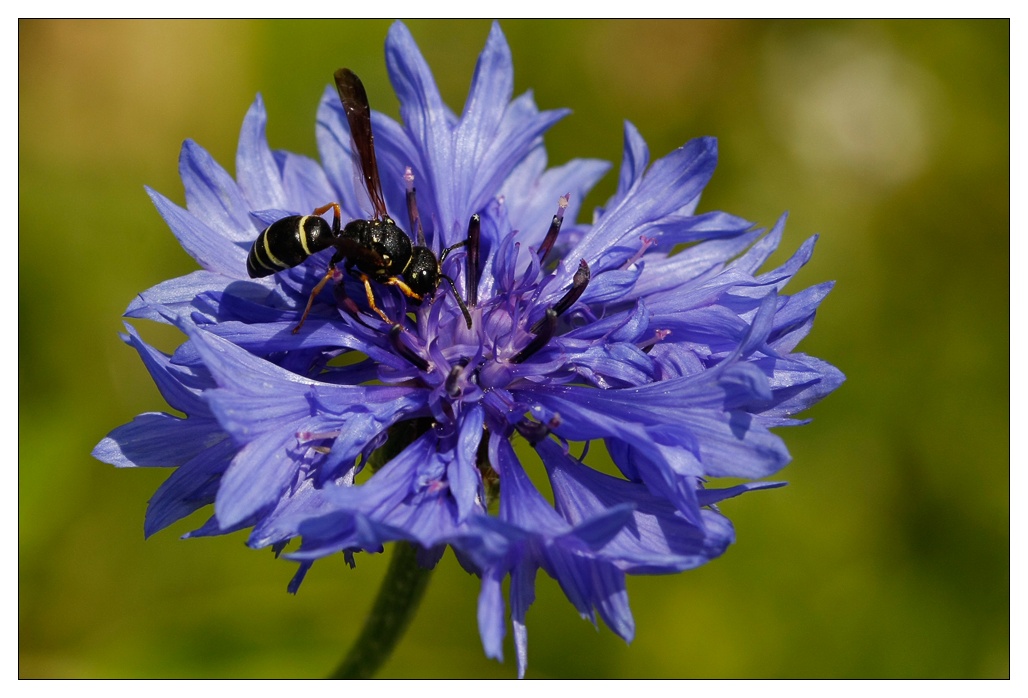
375, 249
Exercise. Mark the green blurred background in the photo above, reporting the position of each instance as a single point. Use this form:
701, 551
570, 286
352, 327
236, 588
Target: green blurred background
887, 556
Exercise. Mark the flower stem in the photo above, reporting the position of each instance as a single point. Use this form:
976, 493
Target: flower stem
404, 584
398, 598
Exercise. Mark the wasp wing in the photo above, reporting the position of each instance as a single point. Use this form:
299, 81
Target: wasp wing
358, 115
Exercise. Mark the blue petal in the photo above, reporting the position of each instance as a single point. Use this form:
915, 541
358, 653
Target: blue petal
277, 336
390, 506
258, 398
531, 194
666, 195
491, 626
728, 443
462, 472
305, 183
247, 416
692, 265
176, 297
715, 495
758, 254
523, 124
426, 118
635, 158
465, 161
794, 318
613, 365
796, 395
157, 440
626, 326
735, 445
300, 503
477, 131
213, 196
589, 584
658, 539
256, 478
520, 502
706, 226
522, 594
190, 487
212, 251
178, 386
256, 171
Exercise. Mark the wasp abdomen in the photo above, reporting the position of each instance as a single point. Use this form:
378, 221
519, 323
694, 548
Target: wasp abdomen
286, 243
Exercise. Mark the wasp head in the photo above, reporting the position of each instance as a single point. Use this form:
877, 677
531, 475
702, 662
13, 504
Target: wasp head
423, 273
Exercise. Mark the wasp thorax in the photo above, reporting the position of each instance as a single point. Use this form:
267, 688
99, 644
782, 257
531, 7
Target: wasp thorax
388, 246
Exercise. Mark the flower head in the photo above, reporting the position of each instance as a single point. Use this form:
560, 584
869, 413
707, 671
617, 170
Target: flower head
679, 363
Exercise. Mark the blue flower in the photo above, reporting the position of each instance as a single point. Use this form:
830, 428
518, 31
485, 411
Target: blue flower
679, 363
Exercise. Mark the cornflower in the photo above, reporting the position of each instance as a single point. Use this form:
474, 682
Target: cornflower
375, 418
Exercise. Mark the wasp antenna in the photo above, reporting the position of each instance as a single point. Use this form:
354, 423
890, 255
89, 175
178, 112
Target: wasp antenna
460, 301
451, 248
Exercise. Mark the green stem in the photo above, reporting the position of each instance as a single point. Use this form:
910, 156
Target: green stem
404, 585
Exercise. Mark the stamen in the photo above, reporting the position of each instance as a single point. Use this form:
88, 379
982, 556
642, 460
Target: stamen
316, 436
658, 337
585, 451
578, 284
412, 208
452, 379
647, 243
471, 281
543, 330
534, 432
551, 234
406, 352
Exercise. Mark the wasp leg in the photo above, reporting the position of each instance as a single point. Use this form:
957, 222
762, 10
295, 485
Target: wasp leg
400, 284
346, 302
336, 215
331, 273
391, 281
371, 297
345, 249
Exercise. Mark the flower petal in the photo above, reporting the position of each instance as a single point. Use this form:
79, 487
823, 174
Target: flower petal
257, 172
213, 196
212, 251
190, 487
